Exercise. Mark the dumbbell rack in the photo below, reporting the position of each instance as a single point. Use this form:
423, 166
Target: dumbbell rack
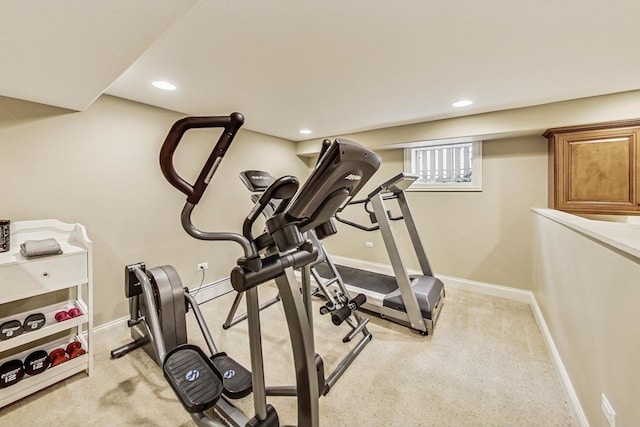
29, 286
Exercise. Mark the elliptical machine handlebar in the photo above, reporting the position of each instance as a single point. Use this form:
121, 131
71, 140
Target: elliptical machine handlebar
355, 224
194, 192
387, 190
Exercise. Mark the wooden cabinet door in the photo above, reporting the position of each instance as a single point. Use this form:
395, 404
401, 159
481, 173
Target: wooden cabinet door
595, 170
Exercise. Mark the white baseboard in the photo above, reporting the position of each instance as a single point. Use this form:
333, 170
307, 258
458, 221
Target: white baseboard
577, 413
212, 290
114, 323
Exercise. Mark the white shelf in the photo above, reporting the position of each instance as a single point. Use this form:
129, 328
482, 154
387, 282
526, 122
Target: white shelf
51, 325
34, 277
13, 256
32, 383
25, 278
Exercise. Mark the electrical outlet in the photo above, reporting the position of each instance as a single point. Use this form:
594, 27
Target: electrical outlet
608, 411
203, 266
368, 244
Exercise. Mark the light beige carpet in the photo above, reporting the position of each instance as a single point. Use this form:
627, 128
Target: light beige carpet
485, 365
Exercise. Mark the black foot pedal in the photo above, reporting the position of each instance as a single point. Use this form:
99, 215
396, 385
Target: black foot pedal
193, 377
236, 378
340, 315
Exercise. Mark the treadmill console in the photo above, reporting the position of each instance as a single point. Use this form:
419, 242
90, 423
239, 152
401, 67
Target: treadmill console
398, 183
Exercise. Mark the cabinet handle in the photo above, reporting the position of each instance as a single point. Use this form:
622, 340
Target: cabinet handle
45, 274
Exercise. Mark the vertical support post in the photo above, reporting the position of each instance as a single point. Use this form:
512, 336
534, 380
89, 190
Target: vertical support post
402, 277
413, 234
255, 348
306, 295
303, 349
232, 311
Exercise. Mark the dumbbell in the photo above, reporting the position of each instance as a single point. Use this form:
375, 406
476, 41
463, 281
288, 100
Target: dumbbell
36, 362
11, 372
33, 322
74, 349
63, 315
59, 355
10, 329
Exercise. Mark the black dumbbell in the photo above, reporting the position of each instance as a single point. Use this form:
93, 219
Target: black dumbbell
11, 372
10, 329
36, 362
33, 322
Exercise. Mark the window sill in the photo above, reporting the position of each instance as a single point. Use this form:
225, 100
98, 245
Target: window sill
443, 187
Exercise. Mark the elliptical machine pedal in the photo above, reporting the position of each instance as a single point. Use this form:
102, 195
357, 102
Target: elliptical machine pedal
193, 377
236, 378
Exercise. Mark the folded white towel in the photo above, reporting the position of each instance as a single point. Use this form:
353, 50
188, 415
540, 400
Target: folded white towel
33, 248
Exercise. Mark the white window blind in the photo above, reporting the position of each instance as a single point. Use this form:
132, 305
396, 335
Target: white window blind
446, 167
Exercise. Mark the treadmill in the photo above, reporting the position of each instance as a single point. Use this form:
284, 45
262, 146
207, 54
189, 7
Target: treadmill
412, 301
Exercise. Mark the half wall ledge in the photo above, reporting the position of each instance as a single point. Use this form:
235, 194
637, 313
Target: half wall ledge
620, 235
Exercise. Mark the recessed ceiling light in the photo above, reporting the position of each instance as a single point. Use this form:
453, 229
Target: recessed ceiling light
161, 84
305, 131
462, 103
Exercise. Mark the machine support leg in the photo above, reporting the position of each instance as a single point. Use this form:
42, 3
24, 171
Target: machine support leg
255, 345
303, 349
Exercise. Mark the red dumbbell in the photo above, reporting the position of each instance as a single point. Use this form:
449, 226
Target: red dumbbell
74, 312
57, 357
63, 315
74, 349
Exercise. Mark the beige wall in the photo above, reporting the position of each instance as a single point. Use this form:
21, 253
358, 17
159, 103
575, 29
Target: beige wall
482, 236
100, 168
588, 293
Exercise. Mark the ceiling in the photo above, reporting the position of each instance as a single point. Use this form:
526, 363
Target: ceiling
332, 66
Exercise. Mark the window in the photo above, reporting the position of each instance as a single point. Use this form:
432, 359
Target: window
445, 167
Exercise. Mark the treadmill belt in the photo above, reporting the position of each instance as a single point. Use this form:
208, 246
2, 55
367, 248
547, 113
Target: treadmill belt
375, 282
427, 289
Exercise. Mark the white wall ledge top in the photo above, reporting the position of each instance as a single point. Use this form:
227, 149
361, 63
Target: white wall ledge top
622, 236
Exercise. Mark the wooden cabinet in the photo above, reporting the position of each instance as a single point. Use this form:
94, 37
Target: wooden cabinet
30, 285
595, 168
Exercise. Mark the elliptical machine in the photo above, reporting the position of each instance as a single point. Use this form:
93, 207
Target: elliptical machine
198, 382
341, 308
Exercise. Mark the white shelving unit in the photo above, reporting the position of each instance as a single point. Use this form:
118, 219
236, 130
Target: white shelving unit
22, 278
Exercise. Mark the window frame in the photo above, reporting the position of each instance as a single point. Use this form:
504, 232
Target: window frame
476, 167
